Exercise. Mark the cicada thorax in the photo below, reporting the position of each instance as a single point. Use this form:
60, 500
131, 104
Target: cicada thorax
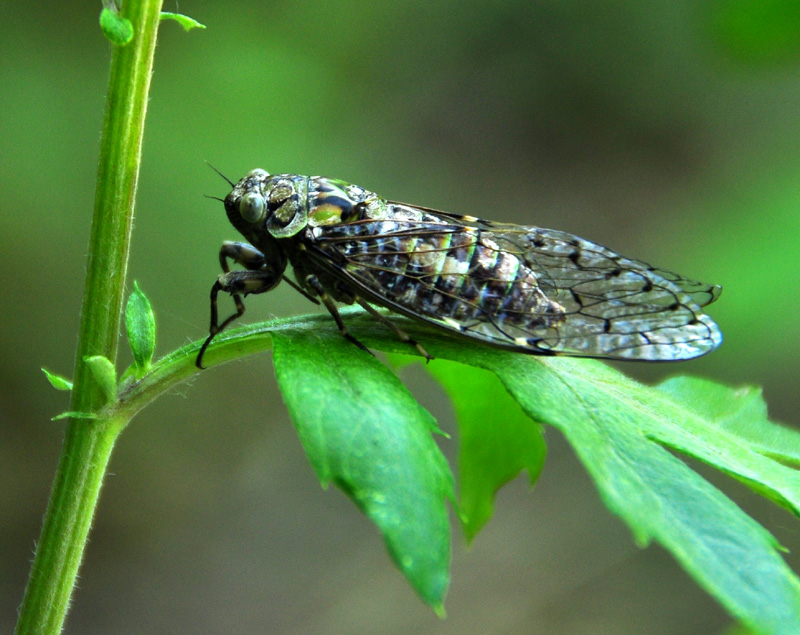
329, 202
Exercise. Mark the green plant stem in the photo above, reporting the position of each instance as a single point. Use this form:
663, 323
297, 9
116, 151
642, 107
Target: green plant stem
236, 343
88, 444
95, 439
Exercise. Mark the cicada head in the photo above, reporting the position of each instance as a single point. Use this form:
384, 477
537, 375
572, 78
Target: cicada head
276, 204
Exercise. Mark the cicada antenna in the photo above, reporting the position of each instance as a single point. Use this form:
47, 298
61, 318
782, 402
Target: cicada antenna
231, 183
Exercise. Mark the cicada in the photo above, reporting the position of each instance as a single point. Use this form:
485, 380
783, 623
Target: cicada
523, 288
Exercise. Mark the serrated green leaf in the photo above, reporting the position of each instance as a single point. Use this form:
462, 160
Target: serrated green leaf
117, 29
619, 429
74, 415
627, 436
616, 427
739, 411
184, 20
363, 431
498, 440
57, 381
104, 373
140, 325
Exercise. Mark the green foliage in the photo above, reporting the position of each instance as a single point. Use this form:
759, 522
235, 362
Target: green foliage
362, 430
117, 29
741, 412
140, 325
619, 429
105, 374
87, 448
57, 381
184, 20
73, 414
498, 440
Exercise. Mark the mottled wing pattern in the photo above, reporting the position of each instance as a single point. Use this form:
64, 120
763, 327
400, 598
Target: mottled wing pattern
702, 293
526, 288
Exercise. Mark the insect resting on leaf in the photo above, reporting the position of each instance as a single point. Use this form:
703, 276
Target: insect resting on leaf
528, 289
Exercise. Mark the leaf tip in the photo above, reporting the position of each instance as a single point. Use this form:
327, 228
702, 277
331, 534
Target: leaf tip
184, 20
57, 381
70, 414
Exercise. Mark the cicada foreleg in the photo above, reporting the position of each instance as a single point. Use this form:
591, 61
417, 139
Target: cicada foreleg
257, 277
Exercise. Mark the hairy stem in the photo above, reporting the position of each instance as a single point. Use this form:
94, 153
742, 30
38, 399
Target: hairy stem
88, 443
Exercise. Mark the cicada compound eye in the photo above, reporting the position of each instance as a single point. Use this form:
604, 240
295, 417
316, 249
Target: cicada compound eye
252, 207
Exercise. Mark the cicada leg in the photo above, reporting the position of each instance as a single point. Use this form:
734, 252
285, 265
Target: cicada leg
256, 278
405, 337
314, 284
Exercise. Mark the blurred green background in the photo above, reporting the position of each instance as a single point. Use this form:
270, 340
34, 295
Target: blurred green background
669, 131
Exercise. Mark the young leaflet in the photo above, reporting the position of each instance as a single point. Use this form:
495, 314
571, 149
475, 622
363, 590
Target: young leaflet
524, 288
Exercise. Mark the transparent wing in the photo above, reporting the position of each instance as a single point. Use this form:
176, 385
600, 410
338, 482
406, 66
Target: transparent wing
623, 307
556, 242
531, 289
702, 293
